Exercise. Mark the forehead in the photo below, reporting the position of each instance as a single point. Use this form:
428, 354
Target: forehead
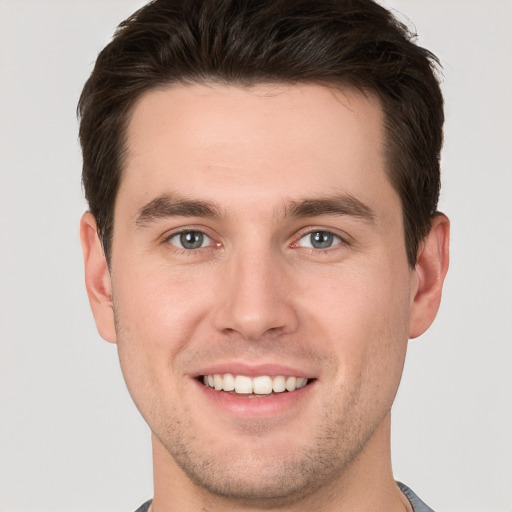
254, 143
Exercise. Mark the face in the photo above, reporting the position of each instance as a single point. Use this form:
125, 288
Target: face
260, 284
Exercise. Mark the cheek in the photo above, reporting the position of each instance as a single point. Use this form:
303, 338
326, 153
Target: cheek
156, 313
364, 318
159, 306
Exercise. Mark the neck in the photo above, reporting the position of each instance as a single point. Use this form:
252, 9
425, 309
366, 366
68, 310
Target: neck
366, 484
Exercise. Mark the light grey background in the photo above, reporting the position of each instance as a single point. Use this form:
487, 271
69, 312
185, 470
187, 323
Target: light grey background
70, 439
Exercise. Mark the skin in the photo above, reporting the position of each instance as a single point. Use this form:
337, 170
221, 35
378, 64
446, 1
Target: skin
256, 294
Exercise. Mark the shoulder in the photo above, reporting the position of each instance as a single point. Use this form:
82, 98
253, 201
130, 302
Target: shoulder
416, 503
145, 507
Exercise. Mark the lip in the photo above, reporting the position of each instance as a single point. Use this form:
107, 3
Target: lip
244, 407
270, 369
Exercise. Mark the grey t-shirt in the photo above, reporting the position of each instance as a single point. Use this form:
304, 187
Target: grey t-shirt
417, 504
144, 508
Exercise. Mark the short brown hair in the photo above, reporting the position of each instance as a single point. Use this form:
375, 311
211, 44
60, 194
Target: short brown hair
243, 42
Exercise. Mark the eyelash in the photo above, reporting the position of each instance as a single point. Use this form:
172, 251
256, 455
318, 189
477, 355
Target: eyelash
342, 241
167, 240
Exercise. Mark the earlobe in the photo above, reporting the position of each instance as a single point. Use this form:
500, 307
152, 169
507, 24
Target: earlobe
430, 271
97, 278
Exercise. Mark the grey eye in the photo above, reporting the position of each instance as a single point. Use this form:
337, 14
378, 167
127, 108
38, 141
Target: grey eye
319, 240
190, 240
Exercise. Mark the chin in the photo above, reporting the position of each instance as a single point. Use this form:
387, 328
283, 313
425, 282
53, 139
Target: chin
266, 478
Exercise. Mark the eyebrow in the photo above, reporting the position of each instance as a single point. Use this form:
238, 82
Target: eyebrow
169, 205
174, 206
344, 204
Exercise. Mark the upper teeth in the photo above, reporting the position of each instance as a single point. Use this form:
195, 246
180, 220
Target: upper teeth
261, 385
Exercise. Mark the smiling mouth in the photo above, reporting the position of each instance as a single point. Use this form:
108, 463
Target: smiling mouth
262, 385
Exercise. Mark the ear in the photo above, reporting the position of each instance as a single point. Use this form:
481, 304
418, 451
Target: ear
430, 271
97, 278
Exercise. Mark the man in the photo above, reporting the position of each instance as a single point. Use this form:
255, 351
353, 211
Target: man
262, 241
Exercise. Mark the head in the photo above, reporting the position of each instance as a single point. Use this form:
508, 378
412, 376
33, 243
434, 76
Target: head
332, 43
262, 237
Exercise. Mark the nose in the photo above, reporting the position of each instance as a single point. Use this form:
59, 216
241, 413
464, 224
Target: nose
256, 298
